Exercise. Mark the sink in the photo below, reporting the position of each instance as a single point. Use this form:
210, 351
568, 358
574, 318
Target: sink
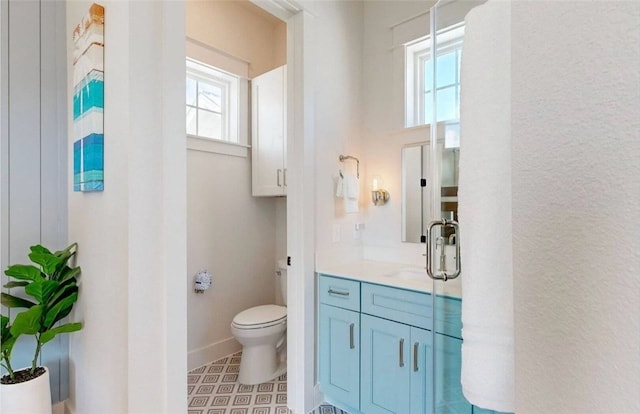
410, 273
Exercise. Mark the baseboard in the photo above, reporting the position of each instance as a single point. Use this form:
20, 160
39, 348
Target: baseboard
202, 356
59, 408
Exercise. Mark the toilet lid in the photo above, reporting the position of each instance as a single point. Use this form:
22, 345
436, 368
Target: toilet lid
260, 315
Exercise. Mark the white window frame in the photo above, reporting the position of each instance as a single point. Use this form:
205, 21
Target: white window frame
417, 54
230, 100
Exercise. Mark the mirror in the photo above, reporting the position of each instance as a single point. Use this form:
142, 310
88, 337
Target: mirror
416, 186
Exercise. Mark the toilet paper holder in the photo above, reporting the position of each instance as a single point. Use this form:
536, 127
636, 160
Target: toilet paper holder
202, 281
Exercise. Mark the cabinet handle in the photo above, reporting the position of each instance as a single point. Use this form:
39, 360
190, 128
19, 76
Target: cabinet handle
337, 292
352, 344
278, 179
415, 356
401, 353
284, 177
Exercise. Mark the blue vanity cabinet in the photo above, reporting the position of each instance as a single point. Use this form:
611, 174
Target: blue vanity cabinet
385, 375
339, 340
396, 350
376, 349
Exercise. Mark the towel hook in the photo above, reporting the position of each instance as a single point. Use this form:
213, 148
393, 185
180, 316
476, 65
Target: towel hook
342, 158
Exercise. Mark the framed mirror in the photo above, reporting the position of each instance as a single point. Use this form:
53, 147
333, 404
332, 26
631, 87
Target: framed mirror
416, 184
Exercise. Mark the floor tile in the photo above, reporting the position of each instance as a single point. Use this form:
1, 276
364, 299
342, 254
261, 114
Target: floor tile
214, 389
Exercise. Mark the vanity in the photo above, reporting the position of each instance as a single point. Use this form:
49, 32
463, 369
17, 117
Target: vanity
375, 338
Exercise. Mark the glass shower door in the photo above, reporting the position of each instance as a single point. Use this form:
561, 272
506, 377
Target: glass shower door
442, 113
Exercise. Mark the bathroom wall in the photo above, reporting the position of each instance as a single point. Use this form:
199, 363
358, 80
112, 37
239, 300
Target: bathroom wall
131, 353
387, 24
33, 152
236, 236
241, 29
337, 125
576, 205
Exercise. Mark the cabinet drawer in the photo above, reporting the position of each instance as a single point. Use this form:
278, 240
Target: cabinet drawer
405, 306
448, 314
340, 292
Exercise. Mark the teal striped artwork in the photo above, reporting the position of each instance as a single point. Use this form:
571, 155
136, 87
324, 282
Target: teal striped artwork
88, 101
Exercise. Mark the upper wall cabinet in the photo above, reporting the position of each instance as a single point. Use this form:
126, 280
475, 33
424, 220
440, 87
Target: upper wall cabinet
269, 133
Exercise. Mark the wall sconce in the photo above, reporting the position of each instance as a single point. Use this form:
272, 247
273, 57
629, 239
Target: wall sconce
378, 195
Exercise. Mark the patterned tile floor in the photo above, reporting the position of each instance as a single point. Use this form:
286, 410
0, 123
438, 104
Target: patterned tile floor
214, 389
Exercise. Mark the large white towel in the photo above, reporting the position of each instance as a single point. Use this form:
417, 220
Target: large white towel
485, 209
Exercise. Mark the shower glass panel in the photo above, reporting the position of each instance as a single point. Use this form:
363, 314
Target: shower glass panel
442, 113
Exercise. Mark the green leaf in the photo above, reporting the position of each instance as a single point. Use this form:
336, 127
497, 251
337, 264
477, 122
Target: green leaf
41, 290
27, 322
66, 328
48, 261
11, 301
24, 272
4, 326
15, 284
39, 249
60, 310
63, 291
67, 273
7, 344
64, 256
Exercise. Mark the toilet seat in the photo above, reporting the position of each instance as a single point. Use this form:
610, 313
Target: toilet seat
259, 317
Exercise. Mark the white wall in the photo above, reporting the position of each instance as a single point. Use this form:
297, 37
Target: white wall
33, 188
236, 236
132, 236
240, 29
233, 235
576, 206
386, 25
338, 36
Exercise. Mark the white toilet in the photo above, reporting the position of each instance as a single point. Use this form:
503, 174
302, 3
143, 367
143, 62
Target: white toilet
262, 332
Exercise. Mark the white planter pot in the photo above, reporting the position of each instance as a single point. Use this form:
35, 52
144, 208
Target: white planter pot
31, 397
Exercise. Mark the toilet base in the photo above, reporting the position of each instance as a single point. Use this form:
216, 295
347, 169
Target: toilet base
260, 364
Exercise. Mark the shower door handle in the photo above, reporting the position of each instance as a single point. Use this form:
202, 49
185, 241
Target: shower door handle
442, 275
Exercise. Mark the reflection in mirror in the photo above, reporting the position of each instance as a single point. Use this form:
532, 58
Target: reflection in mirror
414, 167
416, 199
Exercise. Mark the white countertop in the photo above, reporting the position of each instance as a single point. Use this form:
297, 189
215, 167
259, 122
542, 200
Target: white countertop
398, 275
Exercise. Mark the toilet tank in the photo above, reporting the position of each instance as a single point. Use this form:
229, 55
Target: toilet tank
281, 270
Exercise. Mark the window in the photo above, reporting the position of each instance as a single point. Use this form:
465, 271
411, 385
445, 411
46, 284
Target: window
420, 82
212, 101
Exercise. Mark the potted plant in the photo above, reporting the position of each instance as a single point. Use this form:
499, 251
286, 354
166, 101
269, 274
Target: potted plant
50, 290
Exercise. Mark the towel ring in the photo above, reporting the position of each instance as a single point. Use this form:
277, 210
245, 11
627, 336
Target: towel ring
343, 158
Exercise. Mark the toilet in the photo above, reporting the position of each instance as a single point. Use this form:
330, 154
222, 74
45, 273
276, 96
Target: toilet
261, 331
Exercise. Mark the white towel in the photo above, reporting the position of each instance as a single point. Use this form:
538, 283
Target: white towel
340, 186
485, 209
351, 193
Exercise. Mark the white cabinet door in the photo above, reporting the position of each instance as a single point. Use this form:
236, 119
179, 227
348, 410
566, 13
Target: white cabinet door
268, 133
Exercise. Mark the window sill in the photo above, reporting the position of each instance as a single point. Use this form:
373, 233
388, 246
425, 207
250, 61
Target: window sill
195, 143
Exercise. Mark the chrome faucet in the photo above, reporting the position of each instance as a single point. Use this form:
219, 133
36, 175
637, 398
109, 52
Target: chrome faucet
452, 238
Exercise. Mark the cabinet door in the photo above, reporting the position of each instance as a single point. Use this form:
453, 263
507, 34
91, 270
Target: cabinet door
386, 364
268, 130
339, 354
449, 398
421, 371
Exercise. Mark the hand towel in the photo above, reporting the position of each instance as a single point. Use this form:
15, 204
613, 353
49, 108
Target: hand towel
352, 193
485, 209
340, 186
